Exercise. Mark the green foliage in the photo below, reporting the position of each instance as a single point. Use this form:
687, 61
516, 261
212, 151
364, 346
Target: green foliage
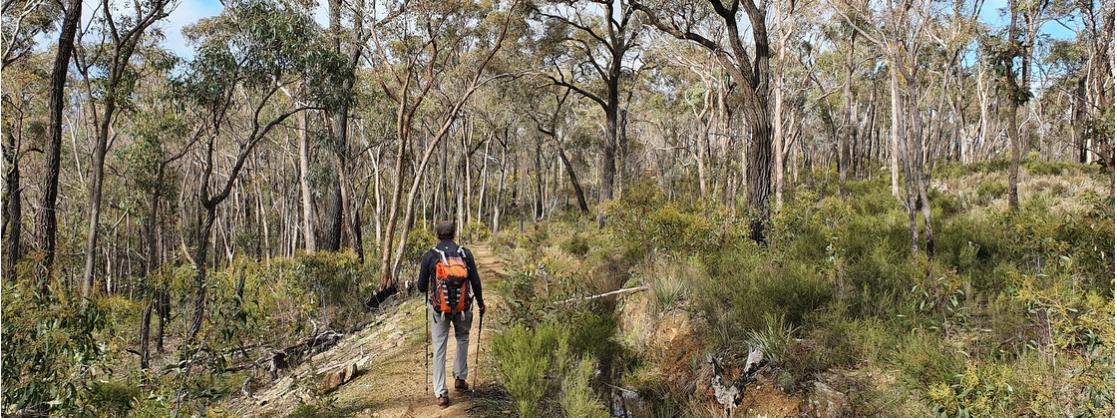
922, 358
671, 278
644, 219
420, 240
774, 339
990, 189
48, 346
577, 398
254, 43
746, 284
553, 357
841, 274
524, 355
114, 398
576, 245
979, 392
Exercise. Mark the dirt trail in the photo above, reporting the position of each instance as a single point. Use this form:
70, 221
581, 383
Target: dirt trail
389, 357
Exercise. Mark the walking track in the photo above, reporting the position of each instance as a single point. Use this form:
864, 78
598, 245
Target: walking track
389, 355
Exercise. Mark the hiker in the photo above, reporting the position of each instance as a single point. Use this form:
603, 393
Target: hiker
449, 272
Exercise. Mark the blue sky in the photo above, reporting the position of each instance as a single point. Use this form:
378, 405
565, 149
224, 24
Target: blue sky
189, 11
992, 12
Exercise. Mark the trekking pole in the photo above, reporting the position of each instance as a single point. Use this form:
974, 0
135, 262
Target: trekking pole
426, 344
477, 355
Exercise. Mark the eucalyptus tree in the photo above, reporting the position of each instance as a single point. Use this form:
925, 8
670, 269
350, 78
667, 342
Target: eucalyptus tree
1097, 81
24, 90
900, 31
46, 220
24, 22
351, 24
550, 123
716, 26
591, 40
109, 76
246, 56
433, 48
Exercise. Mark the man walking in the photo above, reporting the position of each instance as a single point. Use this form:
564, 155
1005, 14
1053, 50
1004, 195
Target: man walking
449, 273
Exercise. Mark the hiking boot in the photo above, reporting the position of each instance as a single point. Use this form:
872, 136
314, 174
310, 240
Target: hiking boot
460, 385
443, 401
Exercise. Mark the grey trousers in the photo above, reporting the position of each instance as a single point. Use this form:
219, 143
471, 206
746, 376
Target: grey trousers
440, 330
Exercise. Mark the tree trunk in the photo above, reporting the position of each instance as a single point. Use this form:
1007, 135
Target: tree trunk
846, 137
759, 173
1015, 91
608, 158
13, 211
151, 263
99, 150
46, 221
894, 141
578, 192
310, 240
202, 236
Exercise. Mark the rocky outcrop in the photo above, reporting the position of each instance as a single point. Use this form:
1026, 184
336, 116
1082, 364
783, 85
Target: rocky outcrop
332, 379
825, 402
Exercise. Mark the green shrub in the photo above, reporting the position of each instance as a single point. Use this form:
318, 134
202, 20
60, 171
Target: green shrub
671, 278
48, 345
523, 356
991, 188
773, 340
922, 358
644, 219
576, 397
979, 392
114, 398
576, 245
747, 284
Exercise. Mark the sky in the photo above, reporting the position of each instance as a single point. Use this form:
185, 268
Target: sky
189, 11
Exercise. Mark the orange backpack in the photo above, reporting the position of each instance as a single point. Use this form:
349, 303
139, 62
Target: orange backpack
450, 290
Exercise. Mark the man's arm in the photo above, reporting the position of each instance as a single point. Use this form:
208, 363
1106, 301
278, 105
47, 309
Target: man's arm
474, 279
424, 273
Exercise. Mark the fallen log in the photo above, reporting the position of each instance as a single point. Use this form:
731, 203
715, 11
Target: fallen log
606, 294
291, 356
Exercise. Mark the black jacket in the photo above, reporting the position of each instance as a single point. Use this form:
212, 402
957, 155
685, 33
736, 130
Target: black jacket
427, 266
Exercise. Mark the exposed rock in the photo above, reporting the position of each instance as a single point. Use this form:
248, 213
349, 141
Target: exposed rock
825, 402
331, 380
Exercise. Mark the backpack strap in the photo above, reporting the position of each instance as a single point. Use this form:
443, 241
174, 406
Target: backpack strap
461, 251
441, 254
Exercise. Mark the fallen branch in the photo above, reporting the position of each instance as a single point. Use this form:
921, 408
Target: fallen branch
606, 294
291, 356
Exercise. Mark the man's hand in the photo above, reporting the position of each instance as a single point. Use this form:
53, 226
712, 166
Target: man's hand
481, 307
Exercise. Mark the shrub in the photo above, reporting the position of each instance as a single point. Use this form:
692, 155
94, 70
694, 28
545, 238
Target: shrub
773, 340
576, 397
922, 359
979, 392
671, 278
991, 188
523, 356
48, 346
114, 398
746, 284
644, 220
576, 245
